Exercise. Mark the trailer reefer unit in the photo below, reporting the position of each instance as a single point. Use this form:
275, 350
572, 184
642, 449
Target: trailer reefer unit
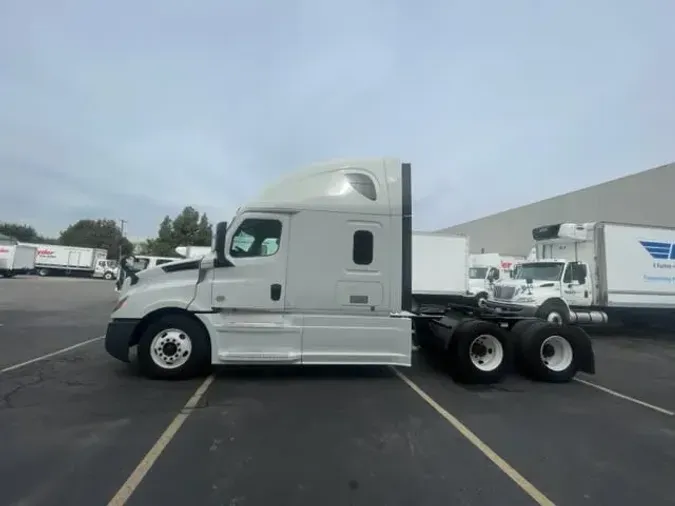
16, 259
325, 275
53, 259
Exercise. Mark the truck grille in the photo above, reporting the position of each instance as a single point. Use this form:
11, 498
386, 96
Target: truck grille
504, 292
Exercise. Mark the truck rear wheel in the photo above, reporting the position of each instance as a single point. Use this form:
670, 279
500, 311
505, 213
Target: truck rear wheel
479, 352
174, 347
547, 353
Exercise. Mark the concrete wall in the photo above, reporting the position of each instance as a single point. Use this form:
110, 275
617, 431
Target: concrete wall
646, 197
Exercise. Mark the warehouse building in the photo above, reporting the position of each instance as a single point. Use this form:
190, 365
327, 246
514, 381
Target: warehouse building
647, 197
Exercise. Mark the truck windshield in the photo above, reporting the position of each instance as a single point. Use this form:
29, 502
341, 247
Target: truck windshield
478, 272
541, 271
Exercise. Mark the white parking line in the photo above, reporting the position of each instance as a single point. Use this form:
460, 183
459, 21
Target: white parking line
49, 355
526, 486
626, 397
136, 477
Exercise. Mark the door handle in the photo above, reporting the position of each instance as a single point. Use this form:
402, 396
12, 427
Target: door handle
275, 291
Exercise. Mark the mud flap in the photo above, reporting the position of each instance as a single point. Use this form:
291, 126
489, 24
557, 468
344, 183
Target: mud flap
584, 356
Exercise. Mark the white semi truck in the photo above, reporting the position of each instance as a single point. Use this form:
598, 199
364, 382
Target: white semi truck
16, 259
338, 288
592, 273
485, 269
54, 259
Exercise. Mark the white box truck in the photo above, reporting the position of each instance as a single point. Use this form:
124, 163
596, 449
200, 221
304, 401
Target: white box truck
594, 272
338, 288
439, 271
52, 259
16, 259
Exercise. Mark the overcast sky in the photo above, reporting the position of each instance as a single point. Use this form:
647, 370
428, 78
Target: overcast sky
134, 109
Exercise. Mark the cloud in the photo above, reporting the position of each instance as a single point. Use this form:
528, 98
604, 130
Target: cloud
135, 109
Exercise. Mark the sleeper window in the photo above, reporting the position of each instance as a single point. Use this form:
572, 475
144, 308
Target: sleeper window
362, 250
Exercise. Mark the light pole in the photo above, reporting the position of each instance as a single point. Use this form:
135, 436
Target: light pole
119, 251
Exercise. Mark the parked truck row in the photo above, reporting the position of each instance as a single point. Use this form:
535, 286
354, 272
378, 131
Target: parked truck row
594, 273
324, 268
47, 259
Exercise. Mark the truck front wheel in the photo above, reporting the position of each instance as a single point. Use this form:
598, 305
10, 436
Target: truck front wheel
174, 347
546, 352
554, 311
480, 299
479, 352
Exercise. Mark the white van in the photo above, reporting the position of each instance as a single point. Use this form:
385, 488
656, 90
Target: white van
140, 263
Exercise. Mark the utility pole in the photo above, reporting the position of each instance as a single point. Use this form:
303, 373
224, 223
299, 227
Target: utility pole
119, 251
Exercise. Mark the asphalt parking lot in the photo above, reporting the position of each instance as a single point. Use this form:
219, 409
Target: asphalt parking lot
79, 428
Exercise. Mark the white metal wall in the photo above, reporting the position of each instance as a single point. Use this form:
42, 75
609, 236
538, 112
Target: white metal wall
646, 197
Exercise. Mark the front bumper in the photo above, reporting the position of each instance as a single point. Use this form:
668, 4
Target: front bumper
511, 309
119, 337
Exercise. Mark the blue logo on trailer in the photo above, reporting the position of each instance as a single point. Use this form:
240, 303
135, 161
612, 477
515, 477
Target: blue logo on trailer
660, 250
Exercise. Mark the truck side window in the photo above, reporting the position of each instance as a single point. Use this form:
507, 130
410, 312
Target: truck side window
256, 237
362, 250
495, 274
580, 273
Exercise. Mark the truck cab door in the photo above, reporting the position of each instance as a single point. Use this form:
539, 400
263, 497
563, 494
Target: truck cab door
492, 277
576, 284
250, 293
258, 251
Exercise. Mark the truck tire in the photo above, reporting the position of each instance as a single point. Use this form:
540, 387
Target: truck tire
479, 352
480, 299
545, 352
421, 333
174, 347
521, 326
43, 272
517, 332
554, 311
108, 276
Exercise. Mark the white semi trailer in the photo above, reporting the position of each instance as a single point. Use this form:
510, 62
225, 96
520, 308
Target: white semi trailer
593, 273
16, 259
338, 288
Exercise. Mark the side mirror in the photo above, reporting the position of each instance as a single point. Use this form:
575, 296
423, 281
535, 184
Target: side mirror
529, 281
219, 246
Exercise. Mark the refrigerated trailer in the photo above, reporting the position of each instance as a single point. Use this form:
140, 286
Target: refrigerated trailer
594, 273
51, 259
16, 259
338, 288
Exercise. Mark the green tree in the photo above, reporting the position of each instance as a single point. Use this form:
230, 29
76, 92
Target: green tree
104, 234
186, 229
24, 233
